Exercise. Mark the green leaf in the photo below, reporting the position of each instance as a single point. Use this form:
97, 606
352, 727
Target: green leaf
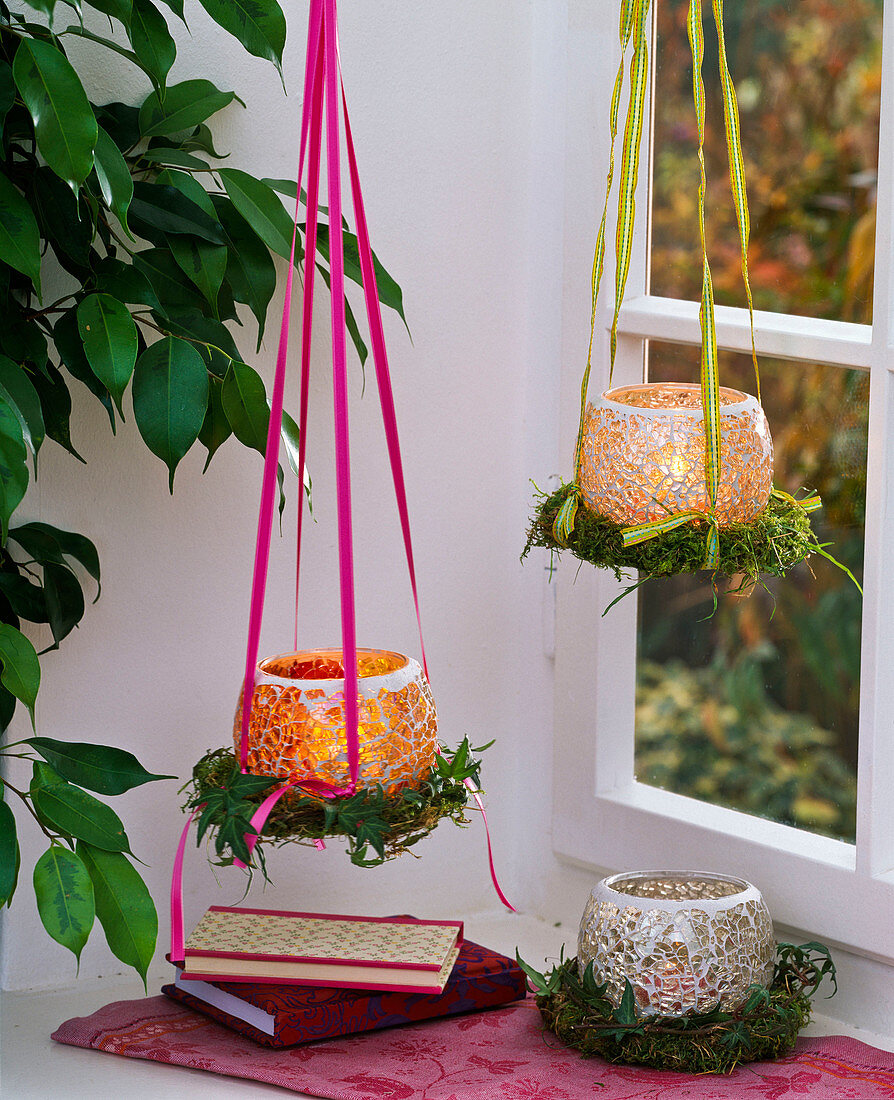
21, 668
7, 92
27, 600
216, 344
203, 264
61, 217
110, 341
215, 427
9, 854
258, 24
64, 895
75, 813
64, 124
202, 138
167, 279
185, 105
46, 543
188, 185
13, 471
44, 776
152, 41
625, 1013
158, 206
245, 404
19, 235
64, 600
126, 282
113, 174
175, 157
123, 905
176, 7
55, 404
70, 346
250, 268
120, 9
170, 395
260, 206
18, 391
100, 768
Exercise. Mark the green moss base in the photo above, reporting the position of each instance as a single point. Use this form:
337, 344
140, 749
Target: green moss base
764, 1027
377, 827
777, 539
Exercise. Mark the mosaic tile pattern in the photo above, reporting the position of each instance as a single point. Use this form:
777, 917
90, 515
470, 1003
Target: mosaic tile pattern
684, 942
644, 454
297, 725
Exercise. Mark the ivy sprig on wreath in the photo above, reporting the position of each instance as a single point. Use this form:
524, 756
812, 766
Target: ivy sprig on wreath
577, 1009
377, 826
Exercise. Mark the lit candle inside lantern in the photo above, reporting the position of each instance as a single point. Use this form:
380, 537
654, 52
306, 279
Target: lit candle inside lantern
297, 724
644, 454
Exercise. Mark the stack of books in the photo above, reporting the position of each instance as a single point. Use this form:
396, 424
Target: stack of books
284, 978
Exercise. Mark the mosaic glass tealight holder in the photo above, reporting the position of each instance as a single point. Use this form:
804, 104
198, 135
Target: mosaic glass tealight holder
644, 454
685, 940
297, 726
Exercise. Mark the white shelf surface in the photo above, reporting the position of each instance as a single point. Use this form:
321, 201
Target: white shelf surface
33, 1067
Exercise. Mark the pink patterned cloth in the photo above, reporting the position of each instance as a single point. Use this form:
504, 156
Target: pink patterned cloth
497, 1055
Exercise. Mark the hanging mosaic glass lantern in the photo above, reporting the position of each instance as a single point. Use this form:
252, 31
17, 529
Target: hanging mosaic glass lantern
297, 722
644, 455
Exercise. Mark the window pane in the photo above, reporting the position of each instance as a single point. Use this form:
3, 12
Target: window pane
808, 76
756, 707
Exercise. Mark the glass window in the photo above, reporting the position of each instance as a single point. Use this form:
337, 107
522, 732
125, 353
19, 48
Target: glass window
756, 707
808, 76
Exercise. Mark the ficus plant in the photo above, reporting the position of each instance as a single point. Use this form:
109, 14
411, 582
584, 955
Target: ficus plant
155, 251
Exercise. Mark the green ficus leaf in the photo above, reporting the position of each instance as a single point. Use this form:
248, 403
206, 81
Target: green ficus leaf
261, 207
55, 404
120, 9
27, 600
170, 396
13, 470
216, 428
9, 854
76, 813
113, 175
64, 600
204, 264
258, 24
7, 92
184, 106
100, 768
18, 391
64, 123
70, 347
21, 668
152, 41
245, 404
124, 907
250, 268
167, 279
162, 208
46, 543
64, 896
190, 187
19, 234
63, 220
109, 336
126, 282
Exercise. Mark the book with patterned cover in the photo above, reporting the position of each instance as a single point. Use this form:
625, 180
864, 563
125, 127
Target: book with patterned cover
287, 1015
267, 945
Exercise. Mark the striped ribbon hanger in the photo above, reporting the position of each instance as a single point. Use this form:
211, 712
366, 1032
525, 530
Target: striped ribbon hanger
323, 93
634, 28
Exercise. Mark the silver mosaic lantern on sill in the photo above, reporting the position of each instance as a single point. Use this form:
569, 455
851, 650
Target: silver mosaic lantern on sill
685, 940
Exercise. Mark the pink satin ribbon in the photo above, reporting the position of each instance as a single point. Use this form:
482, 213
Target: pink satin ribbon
322, 84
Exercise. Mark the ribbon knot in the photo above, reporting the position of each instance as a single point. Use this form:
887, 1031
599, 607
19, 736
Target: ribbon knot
563, 524
642, 532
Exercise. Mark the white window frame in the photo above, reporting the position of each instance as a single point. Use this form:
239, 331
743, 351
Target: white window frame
604, 818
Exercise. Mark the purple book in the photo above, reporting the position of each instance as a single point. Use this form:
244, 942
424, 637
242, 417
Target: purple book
286, 1015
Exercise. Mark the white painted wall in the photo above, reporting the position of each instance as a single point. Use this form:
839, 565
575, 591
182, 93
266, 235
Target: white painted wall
445, 116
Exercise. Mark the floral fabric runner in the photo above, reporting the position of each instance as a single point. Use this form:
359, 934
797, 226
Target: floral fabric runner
501, 1054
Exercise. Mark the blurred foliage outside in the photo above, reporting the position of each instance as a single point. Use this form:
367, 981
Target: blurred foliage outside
783, 666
